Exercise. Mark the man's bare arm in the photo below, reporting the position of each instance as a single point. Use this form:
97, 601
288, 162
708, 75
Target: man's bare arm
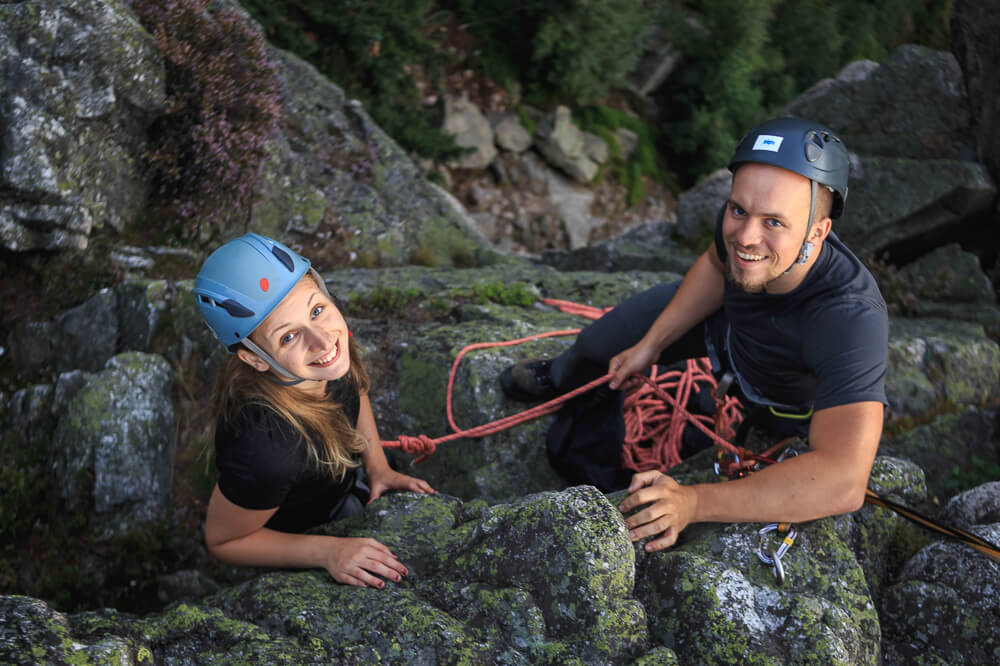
697, 297
829, 479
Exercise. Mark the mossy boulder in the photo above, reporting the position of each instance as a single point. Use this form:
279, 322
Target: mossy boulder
937, 362
83, 81
546, 579
944, 607
112, 450
712, 600
945, 447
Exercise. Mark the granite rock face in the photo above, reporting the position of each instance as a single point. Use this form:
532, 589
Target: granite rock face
82, 82
113, 447
334, 171
943, 608
548, 578
881, 108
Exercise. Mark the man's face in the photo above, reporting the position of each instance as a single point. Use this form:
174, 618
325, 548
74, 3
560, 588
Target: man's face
764, 227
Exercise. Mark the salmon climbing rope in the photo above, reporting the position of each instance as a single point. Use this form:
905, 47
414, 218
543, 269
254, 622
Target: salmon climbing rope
655, 417
655, 407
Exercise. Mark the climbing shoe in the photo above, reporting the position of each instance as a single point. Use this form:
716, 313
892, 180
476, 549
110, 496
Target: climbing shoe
529, 381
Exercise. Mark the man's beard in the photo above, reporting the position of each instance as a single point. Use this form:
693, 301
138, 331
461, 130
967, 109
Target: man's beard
746, 287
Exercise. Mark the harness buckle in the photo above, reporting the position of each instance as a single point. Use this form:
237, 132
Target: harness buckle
722, 387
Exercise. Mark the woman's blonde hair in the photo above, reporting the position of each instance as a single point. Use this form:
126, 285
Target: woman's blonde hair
331, 442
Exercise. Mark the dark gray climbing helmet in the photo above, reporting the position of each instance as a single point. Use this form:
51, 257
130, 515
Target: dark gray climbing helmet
802, 146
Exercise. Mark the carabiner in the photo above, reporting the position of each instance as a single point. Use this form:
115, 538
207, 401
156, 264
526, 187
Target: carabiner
773, 557
718, 470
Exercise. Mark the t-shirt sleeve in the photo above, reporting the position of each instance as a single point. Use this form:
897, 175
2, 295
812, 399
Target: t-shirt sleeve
252, 453
848, 348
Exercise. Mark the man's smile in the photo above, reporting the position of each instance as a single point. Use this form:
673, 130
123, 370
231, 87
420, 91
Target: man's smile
745, 256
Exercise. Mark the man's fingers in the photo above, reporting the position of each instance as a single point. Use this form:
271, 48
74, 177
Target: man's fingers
668, 539
641, 480
424, 487
651, 528
638, 495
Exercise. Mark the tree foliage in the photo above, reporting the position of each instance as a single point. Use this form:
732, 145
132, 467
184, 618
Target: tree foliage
369, 49
742, 60
576, 51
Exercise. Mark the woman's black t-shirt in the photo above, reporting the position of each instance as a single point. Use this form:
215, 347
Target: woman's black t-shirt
263, 463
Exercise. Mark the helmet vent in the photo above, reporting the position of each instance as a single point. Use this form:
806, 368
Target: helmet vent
814, 146
235, 309
283, 257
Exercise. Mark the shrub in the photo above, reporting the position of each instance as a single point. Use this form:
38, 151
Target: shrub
643, 163
223, 108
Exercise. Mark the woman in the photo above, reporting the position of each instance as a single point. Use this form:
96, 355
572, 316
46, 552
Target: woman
293, 419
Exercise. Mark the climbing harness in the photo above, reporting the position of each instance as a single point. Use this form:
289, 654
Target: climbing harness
653, 414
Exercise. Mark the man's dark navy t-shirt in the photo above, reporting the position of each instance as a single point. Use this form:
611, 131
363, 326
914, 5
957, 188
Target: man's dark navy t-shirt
823, 344
263, 464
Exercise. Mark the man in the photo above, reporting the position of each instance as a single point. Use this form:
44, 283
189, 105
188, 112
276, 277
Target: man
780, 302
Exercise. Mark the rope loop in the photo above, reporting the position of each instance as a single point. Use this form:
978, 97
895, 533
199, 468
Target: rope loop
421, 444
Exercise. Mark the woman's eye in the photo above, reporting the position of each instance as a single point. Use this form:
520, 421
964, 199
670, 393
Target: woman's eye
739, 212
317, 311
286, 338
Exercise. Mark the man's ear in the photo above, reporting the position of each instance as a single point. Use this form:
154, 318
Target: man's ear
251, 359
820, 230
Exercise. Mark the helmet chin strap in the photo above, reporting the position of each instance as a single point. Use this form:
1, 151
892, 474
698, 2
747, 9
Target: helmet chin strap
807, 247
293, 379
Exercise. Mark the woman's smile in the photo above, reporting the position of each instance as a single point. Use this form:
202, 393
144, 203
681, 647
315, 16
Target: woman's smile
329, 359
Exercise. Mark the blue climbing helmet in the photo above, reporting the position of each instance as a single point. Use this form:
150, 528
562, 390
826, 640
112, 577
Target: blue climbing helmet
802, 146
241, 283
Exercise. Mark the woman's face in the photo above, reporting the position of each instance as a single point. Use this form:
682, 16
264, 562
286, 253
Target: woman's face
307, 335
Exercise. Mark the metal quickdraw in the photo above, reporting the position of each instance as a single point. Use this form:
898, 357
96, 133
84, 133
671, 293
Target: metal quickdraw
772, 557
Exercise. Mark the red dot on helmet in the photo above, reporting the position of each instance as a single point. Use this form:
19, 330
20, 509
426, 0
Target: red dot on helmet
264, 286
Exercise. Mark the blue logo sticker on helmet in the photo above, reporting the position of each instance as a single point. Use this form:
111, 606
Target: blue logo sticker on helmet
768, 142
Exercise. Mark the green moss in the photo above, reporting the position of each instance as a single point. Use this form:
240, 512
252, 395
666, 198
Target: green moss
441, 242
515, 293
422, 386
384, 299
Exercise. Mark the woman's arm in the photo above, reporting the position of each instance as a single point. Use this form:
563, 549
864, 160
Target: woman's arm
237, 536
381, 476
